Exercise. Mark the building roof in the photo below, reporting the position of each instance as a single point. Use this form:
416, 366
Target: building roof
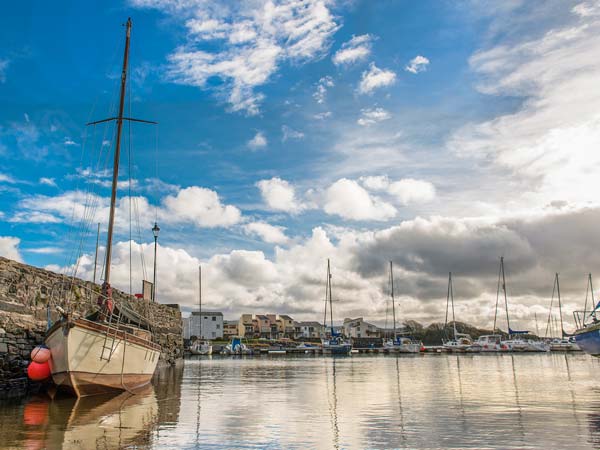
285, 317
230, 322
207, 313
310, 324
261, 317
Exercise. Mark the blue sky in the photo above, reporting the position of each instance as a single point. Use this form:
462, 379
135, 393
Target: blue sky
290, 132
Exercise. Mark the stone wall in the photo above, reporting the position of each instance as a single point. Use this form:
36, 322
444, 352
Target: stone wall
24, 295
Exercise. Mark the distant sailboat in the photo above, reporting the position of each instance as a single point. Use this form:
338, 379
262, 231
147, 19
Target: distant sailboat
402, 344
561, 342
112, 349
335, 344
516, 342
200, 347
460, 342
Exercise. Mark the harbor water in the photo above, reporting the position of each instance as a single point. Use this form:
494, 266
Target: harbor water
363, 401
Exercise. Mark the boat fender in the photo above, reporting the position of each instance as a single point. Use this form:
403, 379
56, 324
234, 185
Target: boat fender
38, 371
40, 354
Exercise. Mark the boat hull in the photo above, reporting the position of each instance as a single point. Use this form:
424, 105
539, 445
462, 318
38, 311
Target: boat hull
337, 349
588, 340
85, 362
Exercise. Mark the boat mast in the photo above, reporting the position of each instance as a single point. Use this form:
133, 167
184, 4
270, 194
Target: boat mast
451, 291
330, 299
497, 296
393, 301
562, 328
200, 299
504, 289
115, 178
326, 299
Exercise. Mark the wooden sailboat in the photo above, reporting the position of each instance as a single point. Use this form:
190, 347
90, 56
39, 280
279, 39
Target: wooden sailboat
460, 342
335, 344
200, 347
401, 344
111, 350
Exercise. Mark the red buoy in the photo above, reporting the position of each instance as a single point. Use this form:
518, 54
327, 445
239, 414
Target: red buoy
38, 371
40, 354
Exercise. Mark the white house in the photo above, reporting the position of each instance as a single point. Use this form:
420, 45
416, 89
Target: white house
212, 325
309, 329
358, 328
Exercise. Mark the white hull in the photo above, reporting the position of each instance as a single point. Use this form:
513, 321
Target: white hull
86, 362
202, 349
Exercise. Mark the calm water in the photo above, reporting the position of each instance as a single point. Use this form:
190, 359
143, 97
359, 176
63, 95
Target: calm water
425, 401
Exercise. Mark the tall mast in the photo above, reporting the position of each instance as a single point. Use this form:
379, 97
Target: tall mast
200, 299
562, 329
393, 301
330, 299
451, 290
115, 179
326, 299
497, 296
504, 289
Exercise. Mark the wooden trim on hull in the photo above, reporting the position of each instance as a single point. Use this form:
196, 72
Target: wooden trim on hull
83, 384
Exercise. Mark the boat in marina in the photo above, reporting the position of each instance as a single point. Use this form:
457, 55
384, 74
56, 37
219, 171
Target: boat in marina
236, 347
335, 343
111, 349
489, 343
587, 334
461, 342
200, 347
555, 336
516, 341
398, 343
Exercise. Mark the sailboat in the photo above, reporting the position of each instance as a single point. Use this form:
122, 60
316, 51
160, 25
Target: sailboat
587, 335
401, 344
199, 347
335, 344
561, 342
110, 350
461, 342
516, 341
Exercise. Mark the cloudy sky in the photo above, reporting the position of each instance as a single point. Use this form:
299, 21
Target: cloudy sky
440, 135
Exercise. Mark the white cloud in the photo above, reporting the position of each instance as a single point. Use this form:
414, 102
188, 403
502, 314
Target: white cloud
194, 205
267, 232
323, 115
375, 78
347, 199
9, 247
279, 195
375, 183
201, 207
70, 142
3, 69
254, 39
7, 179
406, 191
289, 133
548, 143
356, 49
258, 141
369, 116
47, 181
322, 86
409, 191
417, 64
44, 250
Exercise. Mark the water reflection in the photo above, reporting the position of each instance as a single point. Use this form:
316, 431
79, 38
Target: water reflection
494, 401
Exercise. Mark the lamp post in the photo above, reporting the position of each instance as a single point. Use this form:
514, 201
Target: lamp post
155, 231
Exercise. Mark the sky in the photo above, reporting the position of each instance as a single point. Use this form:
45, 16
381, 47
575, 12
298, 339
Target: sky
439, 135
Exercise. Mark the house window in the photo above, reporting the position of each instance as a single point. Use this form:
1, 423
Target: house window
214, 334
218, 326
214, 319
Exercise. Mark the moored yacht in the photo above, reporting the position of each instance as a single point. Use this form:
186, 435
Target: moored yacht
335, 343
461, 342
400, 344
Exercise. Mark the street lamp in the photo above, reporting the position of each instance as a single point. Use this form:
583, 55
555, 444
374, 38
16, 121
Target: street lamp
155, 231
